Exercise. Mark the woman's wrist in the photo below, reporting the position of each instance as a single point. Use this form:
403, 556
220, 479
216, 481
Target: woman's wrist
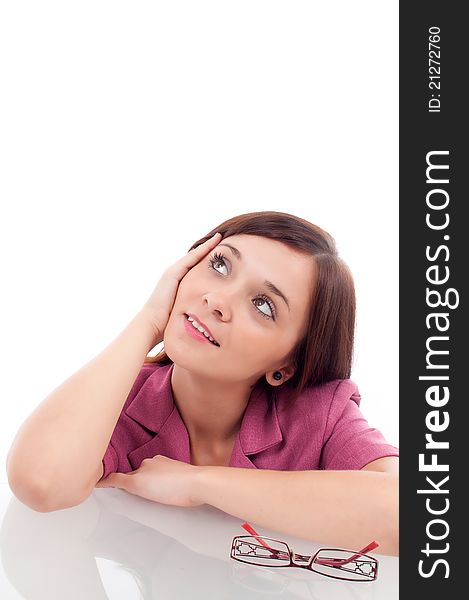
203, 476
157, 335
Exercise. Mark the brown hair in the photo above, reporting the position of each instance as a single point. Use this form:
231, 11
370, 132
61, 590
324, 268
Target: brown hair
325, 352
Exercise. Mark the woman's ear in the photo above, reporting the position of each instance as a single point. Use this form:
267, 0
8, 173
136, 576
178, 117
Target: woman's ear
280, 376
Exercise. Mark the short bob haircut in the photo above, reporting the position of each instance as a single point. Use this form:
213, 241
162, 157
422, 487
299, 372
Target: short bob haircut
325, 352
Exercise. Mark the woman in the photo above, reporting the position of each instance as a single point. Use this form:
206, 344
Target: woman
248, 408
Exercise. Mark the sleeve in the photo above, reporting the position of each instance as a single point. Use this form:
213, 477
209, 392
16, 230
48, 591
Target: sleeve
110, 459
349, 441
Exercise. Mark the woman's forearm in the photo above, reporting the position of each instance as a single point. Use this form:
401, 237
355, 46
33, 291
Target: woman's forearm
57, 450
346, 509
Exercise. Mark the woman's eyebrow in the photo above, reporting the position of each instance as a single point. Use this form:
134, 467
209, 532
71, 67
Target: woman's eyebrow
273, 288
235, 251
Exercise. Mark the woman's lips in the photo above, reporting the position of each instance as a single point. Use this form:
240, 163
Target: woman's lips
195, 333
201, 323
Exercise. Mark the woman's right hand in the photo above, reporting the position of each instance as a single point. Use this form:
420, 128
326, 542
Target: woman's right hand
159, 305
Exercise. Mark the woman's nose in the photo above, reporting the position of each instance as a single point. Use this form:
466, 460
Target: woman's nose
217, 305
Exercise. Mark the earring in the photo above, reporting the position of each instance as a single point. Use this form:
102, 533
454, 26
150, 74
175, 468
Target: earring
277, 375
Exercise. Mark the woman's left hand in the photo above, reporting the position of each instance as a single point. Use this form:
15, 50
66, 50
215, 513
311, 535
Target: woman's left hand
160, 479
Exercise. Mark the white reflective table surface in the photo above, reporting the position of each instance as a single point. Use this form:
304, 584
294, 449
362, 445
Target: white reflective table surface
119, 546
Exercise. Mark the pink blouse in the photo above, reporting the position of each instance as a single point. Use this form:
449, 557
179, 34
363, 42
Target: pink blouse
324, 429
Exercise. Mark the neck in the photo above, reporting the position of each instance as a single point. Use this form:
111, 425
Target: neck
212, 410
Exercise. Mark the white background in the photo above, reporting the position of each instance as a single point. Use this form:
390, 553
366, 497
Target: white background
130, 129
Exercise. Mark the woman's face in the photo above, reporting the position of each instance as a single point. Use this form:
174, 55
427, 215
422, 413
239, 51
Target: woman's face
252, 294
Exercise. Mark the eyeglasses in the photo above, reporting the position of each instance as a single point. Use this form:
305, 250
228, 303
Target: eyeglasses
331, 562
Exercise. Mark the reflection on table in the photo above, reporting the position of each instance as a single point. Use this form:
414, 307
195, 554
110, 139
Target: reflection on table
116, 545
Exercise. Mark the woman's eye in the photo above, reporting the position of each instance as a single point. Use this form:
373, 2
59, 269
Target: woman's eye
216, 262
262, 303
220, 263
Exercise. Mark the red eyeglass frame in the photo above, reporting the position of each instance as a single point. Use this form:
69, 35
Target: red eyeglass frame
334, 562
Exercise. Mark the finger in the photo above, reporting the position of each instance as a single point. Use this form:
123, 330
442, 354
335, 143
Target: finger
196, 254
203, 248
115, 480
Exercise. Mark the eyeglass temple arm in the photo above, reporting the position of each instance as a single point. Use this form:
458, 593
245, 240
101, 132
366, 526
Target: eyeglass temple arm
338, 562
253, 532
332, 562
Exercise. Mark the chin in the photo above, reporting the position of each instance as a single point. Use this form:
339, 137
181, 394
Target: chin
185, 358
180, 353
